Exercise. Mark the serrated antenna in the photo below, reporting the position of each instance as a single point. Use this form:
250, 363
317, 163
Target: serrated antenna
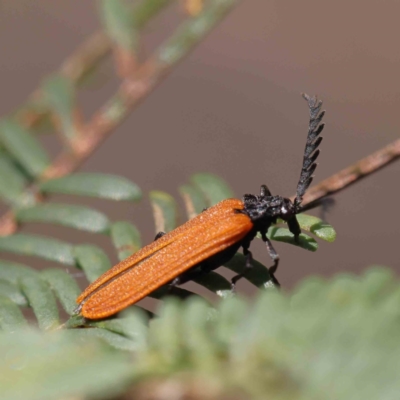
311, 151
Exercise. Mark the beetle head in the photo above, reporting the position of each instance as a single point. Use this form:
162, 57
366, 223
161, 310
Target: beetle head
268, 207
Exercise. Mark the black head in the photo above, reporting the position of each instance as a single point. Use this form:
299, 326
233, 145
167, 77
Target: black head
267, 208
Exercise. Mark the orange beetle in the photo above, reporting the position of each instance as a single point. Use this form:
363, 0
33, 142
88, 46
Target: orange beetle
205, 242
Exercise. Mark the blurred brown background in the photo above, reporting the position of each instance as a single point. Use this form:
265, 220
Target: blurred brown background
233, 107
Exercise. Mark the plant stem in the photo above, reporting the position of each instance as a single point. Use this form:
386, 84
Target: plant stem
132, 90
353, 173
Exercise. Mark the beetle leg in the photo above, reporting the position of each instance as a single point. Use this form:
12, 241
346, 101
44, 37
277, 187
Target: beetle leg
175, 282
275, 258
159, 234
294, 227
247, 267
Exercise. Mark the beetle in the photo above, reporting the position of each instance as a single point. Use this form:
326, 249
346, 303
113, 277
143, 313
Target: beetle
205, 242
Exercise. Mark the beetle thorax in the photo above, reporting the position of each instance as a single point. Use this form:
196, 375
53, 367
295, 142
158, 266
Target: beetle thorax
268, 208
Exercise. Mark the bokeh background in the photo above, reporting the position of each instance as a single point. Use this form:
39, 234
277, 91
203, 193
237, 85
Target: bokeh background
233, 108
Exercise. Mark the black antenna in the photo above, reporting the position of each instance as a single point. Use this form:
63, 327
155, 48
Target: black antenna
311, 151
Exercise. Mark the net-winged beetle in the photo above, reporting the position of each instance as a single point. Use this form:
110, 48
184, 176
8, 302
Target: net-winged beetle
205, 242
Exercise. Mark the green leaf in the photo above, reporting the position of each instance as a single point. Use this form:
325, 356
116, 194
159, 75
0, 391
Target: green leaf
194, 200
215, 283
191, 31
133, 326
202, 351
146, 10
391, 303
24, 147
318, 227
13, 272
343, 330
258, 275
126, 239
379, 283
174, 291
11, 317
13, 182
111, 187
118, 20
164, 333
262, 348
342, 289
42, 302
74, 321
213, 188
284, 235
263, 323
164, 211
58, 92
64, 286
73, 216
92, 260
39, 246
8, 289
9, 169
311, 287
231, 313
60, 365
114, 339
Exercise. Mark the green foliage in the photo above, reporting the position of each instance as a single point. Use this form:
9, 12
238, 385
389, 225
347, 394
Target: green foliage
213, 188
319, 228
13, 293
119, 23
11, 317
12, 182
258, 275
36, 366
250, 349
39, 246
41, 300
39, 291
194, 200
23, 147
333, 339
92, 260
327, 340
59, 97
103, 186
78, 217
63, 286
144, 11
164, 210
126, 239
192, 31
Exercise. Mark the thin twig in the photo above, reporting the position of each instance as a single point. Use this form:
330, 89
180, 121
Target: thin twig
353, 173
88, 55
84, 59
130, 93
134, 90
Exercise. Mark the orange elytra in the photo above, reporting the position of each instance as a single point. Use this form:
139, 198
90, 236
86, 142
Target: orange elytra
205, 242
